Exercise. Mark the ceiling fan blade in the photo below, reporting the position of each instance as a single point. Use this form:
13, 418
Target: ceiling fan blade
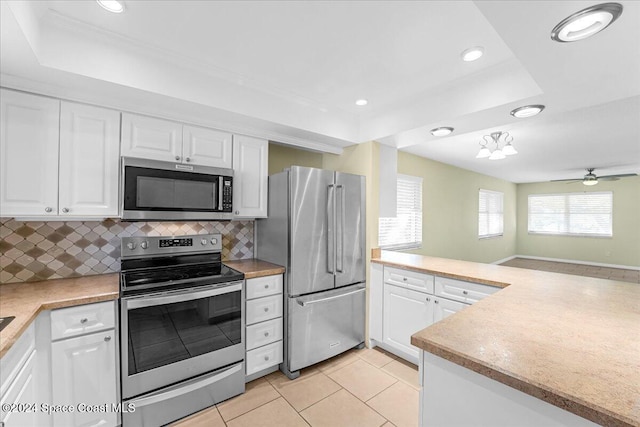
608, 178
616, 177
568, 181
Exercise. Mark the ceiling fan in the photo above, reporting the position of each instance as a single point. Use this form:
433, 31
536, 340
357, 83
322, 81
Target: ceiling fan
592, 179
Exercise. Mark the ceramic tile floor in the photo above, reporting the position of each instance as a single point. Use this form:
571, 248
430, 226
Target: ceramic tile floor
368, 387
619, 274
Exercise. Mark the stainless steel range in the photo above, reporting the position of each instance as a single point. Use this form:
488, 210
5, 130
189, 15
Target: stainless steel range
182, 327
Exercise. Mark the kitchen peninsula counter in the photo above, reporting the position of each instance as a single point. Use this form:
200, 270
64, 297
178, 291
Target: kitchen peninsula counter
254, 267
26, 300
571, 341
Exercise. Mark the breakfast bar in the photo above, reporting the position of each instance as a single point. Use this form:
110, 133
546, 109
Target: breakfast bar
545, 348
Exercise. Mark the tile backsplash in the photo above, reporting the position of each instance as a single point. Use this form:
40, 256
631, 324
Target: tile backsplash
32, 251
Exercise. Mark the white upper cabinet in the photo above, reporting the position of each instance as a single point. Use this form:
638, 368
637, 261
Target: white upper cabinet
157, 139
28, 154
207, 147
89, 160
150, 138
250, 175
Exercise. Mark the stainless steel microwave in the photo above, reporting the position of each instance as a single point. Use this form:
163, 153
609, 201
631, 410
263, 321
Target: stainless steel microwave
163, 191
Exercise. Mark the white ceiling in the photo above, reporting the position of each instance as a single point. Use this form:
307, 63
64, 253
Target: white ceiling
291, 71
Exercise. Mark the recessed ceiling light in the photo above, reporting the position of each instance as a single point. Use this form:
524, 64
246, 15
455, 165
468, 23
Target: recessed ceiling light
527, 111
361, 102
112, 5
442, 131
472, 53
586, 22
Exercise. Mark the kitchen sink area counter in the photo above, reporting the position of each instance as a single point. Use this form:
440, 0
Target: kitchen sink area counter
570, 341
26, 300
253, 268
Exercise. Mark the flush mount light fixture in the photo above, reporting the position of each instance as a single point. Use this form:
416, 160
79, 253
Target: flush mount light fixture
527, 111
497, 153
441, 131
472, 53
112, 5
361, 102
586, 22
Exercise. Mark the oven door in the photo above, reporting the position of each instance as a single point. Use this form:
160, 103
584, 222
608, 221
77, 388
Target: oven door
172, 191
173, 336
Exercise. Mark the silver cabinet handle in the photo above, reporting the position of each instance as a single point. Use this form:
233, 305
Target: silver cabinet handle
177, 157
266, 309
48, 209
237, 212
465, 292
266, 334
65, 210
187, 160
404, 279
266, 358
436, 301
107, 338
266, 286
428, 299
84, 320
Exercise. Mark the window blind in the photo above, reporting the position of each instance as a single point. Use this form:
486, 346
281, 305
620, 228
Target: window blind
490, 213
578, 214
405, 230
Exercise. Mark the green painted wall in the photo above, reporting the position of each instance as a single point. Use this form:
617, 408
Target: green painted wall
622, 249
450, 211
282, 156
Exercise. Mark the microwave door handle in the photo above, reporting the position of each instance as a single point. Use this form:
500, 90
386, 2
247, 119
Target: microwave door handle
220, 184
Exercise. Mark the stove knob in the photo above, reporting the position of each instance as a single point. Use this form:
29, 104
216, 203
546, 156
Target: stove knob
144, 245
131, 245
214, 241
203, 242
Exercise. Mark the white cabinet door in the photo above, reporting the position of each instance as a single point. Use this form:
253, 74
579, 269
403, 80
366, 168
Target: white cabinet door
250, 172
405, 313
207, 147
150, 138
28, 154
84, 371
89, 160
444, 308
23, 391
376, 292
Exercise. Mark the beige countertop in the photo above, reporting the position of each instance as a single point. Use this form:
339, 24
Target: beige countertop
253, 268
571, 341
26, 300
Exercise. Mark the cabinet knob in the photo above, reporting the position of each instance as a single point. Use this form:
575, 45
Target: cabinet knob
266, 286
84, 320
266, 334
266, 309
107, 338
436, 301
48, 209
465, 292
266, 358
187, 160
428, 299
237, 212
177, 157
404, 279
65, 210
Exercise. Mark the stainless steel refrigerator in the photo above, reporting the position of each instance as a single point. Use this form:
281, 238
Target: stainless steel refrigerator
316, 229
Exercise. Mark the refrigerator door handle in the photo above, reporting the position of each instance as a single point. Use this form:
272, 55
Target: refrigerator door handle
315, 301
331, 222
340, 232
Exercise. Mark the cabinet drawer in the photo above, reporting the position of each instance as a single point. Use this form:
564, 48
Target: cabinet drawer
409, 279
459, 290
261, 309
264, 286
264, 333
22, 390
12, 362
264, 357
73, 321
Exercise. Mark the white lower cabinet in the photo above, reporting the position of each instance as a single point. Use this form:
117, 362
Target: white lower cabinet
84, 373
405, 312
402, 302
264, 330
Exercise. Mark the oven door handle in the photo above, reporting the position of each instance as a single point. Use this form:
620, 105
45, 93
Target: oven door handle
186, 387
150, 301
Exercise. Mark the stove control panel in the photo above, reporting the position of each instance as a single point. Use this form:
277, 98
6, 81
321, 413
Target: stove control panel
132, 247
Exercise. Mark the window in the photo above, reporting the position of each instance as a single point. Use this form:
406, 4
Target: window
405, 230
572, 214
490, 214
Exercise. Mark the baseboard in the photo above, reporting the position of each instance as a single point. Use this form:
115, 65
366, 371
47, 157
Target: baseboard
572, 261
509, 258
